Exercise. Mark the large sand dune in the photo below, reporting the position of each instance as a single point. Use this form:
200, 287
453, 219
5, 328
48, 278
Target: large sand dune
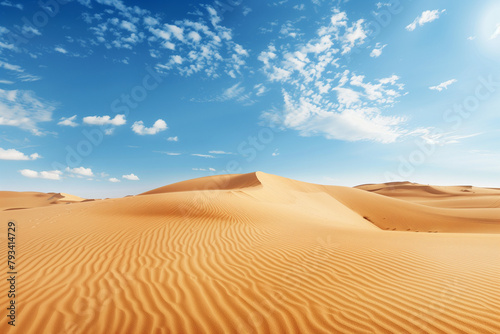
258, 253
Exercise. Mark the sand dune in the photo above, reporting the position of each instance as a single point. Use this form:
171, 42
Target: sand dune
12, 200
258, 253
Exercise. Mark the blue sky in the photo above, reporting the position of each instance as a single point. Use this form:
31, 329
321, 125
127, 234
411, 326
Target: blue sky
104, 98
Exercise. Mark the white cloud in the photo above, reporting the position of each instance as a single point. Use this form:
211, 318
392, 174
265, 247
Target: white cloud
11, 67
169, 153
350, 124
105, 120
383, 4
355, 111
159, 125
200, 47
131, 177
471, 38
275, 153
496, 33
194, 36
299, 7
426, 17
60, 50
246, 11
12, 154
204, 169
25, 77
202, 155
150, 21
128, 26
80, 171
261, 89
443, 85
68, 121
6, 82
377, 51
219, 152
347, 96
30, 31
355, 35
113, 179
232, 92
7, 3
176, 31
279, 74
173, 138
49, 175
24, 110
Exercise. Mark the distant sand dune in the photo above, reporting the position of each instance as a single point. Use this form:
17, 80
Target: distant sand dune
29, 199
257, 253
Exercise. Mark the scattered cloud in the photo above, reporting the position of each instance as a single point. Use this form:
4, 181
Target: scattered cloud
60, 50
471, 38
173, 138
10, 67
246, 11
426, 17
158, 126
131, 177
29, 30
275, 153
113, 179
261, 89
105, 120
220, 152
82, 171
7, 3
377, 51
49, 175
204, 169
24, 109
12, 154
202, 155
318, 99
25, 77
383, 4
232, 92
68, 121
443, 85
6, 82
496, 33
168, 153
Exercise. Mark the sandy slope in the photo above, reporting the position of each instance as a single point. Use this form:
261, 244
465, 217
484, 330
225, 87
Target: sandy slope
13, 200
256, 253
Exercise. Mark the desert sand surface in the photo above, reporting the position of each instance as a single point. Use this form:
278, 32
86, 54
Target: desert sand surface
12, 200
259, 253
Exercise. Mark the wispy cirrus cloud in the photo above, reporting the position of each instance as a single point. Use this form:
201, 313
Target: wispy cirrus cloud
68, 121
426, 17
24, 109
443, 85
7, 3
202, 155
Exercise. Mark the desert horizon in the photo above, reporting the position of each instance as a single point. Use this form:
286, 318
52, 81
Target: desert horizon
259, 253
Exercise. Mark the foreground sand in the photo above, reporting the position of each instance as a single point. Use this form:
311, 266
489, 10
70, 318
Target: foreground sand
257, 253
